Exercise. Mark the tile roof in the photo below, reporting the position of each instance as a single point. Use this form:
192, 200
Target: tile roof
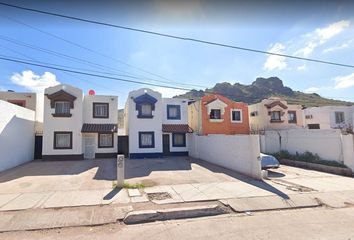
276, 103
101, 128
176, 128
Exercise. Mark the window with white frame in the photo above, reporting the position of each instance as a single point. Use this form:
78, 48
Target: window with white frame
62, 107
146, 140
62, 140
236, 115
100, 110
215, 114
105, 140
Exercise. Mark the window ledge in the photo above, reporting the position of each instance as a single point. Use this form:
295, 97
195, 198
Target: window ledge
216, 120
292, 122
61, 115
236, 121
142, 116
276, 121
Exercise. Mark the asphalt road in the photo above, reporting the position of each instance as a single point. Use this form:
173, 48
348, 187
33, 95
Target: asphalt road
313, 223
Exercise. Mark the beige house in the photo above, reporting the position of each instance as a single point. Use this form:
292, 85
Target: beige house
275, 113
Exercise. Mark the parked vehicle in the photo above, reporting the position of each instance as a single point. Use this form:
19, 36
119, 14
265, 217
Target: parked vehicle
269, 161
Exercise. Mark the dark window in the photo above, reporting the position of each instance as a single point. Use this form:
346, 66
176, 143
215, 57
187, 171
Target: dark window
178, 139
63, 140
146, 139
144, 110
254, 113
313, 126
215, 114
292, 117
339, 117
62, 109
105, 140
173, 112
236, 116
100, 110
275, 116
21, 103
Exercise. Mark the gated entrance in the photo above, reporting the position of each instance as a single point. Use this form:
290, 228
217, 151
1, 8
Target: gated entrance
166, 144
38, 141
123, 145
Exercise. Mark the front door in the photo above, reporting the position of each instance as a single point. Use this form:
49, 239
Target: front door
166, 144
89, 147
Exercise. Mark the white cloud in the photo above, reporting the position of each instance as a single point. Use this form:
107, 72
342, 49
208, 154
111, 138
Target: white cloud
320, 36
302, 68
168, 92
331, 30
274, 62
33, 82
344, 81
307, 50
338, 47
311, 90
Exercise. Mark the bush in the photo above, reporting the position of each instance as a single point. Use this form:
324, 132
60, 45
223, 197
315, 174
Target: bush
307, 157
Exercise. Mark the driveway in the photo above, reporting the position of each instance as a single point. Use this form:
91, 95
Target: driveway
310, 180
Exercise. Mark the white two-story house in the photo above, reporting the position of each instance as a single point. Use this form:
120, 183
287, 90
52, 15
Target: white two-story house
78, 126
328, 117
156, 126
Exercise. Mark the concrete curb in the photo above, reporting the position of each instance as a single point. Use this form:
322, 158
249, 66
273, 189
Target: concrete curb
318, 167
144, 216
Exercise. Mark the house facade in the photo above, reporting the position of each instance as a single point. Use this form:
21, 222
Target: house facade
78, 126
275, 113
216, 114
32, 101
156, 126
329, 117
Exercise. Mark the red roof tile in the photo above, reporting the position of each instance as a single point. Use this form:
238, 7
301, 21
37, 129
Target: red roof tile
101, 128
176, 128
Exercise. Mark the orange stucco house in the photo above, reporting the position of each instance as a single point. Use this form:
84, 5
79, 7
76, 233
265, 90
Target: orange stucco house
216, 114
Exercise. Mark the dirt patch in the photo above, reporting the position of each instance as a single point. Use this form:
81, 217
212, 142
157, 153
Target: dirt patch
148, 183
159, 196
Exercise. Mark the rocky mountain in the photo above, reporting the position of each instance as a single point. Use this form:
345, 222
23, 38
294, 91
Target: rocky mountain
264, 88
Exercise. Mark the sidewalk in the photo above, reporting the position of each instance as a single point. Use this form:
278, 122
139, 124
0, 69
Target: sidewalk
40, 218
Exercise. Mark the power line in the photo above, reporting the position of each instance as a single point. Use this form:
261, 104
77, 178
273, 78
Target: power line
93, 51
92, 74
175, 36
86, 62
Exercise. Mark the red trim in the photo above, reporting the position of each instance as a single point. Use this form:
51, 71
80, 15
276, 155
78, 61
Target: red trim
21, 103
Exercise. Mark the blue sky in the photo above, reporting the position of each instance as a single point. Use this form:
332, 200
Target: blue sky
307, 29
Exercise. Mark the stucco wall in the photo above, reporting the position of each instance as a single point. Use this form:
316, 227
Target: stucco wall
236, 152
33, 101
201, 123
73, 123
16, 135
325, 116
184, 110
262, 120
136, 125
88, 109
328, 144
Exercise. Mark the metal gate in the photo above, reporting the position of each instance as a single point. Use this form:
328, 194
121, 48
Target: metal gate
38, 142
123, 145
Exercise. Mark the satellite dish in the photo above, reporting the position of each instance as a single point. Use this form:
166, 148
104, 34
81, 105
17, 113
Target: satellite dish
91, 92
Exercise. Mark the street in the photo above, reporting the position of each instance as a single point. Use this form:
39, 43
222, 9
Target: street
313, 223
